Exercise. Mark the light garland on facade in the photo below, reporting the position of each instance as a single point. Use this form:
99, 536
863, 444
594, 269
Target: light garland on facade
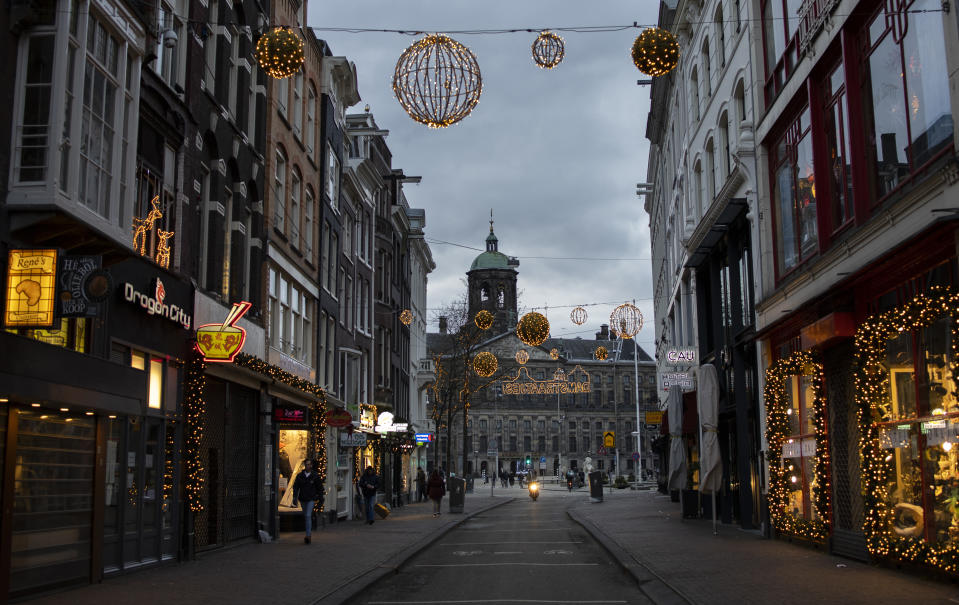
406, 317
485, 364
626, 321
194, 412
777, 396
437, 81
872, 392
578, 316
548, 50
656, 52
533, 329
316, 442
279, 52
601, 353
483, 320
522, 356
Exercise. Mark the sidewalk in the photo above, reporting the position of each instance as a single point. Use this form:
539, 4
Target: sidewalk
342, 559
677, 561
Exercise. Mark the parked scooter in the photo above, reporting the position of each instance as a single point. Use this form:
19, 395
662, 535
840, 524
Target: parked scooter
533, 490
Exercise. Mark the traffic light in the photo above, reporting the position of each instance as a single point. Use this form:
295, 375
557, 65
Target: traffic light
528, 461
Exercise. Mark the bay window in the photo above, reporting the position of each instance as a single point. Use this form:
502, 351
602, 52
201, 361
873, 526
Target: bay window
905, 92
78, 76
794, 195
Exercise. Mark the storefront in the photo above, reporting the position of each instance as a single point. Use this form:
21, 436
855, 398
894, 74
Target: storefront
89, 481
863, 411
291, 423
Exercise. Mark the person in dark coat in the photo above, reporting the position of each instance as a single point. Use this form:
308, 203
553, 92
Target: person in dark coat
368, 484
436, 489
308, 491
420, 484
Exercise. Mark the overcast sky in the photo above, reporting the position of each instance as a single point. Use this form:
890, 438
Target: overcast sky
555, 153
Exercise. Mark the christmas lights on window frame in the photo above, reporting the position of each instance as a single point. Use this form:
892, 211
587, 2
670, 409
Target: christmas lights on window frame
778, 400
872, 390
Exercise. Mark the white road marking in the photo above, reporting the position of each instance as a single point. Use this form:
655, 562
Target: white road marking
508, 552
557, 552
466, 553
515, 542
490, 601
511, 564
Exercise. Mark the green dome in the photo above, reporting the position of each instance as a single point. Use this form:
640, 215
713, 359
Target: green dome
490, 260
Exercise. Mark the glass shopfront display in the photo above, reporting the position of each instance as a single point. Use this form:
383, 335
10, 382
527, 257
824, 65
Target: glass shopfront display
139, 505
799, 449
52, 499
918, 431
291, 453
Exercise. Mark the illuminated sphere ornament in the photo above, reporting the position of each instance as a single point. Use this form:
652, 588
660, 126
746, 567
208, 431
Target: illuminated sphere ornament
280, 52
554, 353
548, 50
626, 321
406, 317
522, 356
602, 353
485, 364
483, 320
437, 81
533, 329
656, 52
578, 316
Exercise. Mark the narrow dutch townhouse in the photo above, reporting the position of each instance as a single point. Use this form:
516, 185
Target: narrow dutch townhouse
702, 212
857, 186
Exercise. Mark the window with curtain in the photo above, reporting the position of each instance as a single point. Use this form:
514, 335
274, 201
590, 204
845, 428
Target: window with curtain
794, 195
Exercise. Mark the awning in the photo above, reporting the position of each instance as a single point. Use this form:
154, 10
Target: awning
690, 416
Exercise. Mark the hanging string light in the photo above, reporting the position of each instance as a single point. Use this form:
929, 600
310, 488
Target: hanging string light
280, 52
656, 52
522, 356
483, 320
437, 81
601, 353
533, 329
485, 364
406, 317
626, 321
548, 50
554, 353
578, 316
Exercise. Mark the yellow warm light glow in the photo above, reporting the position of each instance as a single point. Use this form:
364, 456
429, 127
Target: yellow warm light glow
280, 52
34, 405
31, 288
156, 383
947, 446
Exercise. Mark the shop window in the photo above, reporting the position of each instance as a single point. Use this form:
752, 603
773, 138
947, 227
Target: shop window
799, 449
905, 92
291, 452
794, 195
68, 332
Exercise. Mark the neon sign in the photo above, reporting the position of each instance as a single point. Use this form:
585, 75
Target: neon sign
221, 342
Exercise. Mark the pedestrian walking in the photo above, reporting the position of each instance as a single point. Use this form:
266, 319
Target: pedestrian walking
368, 484
308, 492
420, 484
436, 489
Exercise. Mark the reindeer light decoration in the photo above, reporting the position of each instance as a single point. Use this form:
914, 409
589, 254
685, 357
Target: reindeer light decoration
143, 227
163, 249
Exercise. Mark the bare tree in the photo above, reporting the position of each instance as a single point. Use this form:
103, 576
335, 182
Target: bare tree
456, 380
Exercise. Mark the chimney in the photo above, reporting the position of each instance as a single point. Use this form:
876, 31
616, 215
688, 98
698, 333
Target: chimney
603, 333
443, 325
